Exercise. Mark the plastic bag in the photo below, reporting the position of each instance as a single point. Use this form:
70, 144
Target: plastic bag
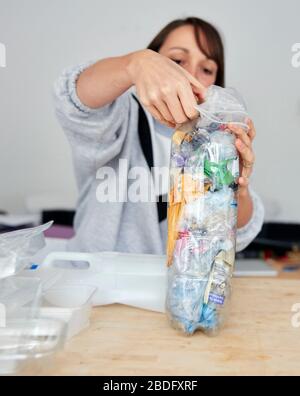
17, 247
202, 214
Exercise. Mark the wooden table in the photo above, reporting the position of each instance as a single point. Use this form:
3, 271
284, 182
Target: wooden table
258, 339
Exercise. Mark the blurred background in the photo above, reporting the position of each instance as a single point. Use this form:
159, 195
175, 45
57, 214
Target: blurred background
43, 37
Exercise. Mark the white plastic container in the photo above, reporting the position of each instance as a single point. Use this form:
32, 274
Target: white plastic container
20, 297
70, 303
69, 296
17, 248
133, 279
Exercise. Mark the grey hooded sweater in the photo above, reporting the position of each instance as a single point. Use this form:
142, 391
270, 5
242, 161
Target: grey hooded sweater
99, 138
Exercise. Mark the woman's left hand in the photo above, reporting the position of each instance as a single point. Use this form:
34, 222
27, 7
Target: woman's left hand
243, 144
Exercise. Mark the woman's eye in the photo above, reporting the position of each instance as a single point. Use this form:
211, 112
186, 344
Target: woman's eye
207, 71
178, 61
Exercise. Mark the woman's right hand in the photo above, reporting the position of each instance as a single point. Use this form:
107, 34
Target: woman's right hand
164, 88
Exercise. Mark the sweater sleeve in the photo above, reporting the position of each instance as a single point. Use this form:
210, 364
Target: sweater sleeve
96, 135
246, 234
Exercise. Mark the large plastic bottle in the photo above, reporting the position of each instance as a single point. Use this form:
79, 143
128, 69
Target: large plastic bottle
202, 214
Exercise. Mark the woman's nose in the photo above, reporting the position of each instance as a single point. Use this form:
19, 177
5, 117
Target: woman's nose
194, 71
191, 69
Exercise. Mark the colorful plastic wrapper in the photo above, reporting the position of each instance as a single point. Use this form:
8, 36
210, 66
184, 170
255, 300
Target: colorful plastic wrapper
202, 214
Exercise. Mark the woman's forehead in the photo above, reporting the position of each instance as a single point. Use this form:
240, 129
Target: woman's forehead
183, 39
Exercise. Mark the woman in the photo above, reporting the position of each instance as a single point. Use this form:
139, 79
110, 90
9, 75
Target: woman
126, 108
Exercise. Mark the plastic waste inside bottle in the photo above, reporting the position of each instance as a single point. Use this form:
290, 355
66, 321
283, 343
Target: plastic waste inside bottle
202, 214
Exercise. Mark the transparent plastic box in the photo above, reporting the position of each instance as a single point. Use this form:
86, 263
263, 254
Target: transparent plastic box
17, 248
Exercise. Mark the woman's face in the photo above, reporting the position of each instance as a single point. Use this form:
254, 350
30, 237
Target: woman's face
181, 47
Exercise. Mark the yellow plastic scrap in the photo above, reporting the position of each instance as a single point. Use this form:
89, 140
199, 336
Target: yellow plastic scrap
185, 190
179, 136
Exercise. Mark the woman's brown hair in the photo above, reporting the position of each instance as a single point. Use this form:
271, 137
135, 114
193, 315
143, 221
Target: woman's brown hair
209, 42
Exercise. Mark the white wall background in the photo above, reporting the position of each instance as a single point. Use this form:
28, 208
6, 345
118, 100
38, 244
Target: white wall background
42, 37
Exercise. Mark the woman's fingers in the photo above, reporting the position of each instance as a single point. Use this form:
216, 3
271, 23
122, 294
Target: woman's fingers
246, 153
163, 109
188, 101
176, 108
153, 110
198, 89
252, 131
181, 102
246, 162
244, 181
240, 133
248, 134
170, 105
244, 141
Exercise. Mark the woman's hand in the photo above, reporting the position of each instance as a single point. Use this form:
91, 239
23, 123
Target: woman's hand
167, 90
243, 143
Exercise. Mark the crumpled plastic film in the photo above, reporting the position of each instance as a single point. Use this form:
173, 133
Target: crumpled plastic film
17, 247
202, 214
